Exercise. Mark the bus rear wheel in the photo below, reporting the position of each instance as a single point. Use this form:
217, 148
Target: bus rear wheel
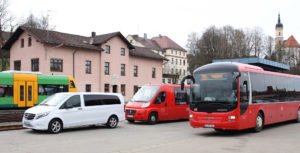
259, 124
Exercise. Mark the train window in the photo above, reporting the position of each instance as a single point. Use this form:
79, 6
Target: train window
6, 91
72, 84
22, 93
52, 89
29, 93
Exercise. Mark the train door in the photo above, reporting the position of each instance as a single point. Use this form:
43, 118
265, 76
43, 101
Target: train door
25, 90
24, 93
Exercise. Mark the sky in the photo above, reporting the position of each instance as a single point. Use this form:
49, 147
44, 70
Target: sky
173, 18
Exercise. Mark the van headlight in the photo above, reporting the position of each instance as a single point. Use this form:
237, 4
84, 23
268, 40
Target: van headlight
38, 116
145, 105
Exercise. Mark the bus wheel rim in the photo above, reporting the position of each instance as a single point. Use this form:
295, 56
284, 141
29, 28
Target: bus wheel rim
259, 122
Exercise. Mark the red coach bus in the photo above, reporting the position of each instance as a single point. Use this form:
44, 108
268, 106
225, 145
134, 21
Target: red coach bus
154, 103
235, 96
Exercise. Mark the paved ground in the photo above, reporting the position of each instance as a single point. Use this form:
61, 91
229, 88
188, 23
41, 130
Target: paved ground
170, 137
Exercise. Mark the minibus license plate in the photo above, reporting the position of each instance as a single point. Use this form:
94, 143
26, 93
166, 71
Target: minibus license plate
209, 125
130, 116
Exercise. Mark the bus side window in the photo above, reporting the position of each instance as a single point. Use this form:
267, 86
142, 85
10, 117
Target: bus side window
72, 84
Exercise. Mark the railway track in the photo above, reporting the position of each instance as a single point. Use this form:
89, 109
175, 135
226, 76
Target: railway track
11, 119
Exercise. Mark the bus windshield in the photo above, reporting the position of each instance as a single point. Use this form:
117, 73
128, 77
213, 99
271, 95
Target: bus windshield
214, 88
145, 94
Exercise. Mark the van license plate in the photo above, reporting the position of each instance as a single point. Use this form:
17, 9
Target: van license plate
27, 123
209, 125
130, 116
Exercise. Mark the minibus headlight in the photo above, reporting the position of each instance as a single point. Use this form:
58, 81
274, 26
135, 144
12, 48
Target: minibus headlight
145, 105
42, 115
191, 116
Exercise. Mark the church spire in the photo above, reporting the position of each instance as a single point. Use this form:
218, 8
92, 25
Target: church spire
279, 24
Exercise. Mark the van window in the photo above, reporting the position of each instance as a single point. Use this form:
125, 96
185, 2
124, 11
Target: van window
94, 100
181, 97
161, 97
72, 102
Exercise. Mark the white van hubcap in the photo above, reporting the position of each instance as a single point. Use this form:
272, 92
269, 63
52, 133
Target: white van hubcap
56, 126
113, 122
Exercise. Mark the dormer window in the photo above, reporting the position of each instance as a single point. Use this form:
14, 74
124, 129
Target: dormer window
29, 41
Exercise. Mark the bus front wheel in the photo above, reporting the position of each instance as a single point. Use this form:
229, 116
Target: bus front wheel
259, 123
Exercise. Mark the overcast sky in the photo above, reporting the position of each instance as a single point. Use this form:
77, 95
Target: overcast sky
174, 18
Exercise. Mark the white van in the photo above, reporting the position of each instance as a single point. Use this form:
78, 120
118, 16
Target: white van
66, 110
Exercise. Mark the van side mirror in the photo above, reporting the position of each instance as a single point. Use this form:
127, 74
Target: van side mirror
185, 78
68, 105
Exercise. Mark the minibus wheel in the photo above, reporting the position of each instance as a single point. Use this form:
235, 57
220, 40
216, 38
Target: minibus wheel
112, 122
298, 119
259, 123
152, 119
55, 126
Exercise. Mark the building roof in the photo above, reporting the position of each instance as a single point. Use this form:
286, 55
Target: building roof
148, 43
263, 63
100, 39
145, 52
279, 24
165, 42
65, 39
291, 42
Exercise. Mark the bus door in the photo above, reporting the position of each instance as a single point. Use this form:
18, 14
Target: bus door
24, 93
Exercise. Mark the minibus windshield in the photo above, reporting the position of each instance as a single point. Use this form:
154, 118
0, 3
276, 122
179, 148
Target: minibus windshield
53, 100
145, 94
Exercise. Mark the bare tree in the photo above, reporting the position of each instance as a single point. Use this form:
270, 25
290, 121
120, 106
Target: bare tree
42, 22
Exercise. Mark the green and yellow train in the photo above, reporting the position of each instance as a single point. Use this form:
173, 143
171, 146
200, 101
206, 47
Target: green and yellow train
26, 89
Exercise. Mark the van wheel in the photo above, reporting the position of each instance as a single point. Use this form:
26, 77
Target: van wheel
55, 126
130, 121
259, 124
112, 122
152, 119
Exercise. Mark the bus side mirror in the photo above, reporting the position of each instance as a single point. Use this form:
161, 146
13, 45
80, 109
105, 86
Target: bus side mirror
185, 78
245, 89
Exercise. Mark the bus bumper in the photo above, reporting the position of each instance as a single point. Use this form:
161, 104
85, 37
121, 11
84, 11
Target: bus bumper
225, 122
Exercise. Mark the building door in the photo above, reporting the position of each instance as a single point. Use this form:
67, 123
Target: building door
115, 88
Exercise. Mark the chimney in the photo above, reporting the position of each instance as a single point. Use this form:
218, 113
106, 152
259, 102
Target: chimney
145, 36
93, 34
159, 35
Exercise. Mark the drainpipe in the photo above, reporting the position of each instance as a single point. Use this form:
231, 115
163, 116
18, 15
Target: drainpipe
74, 52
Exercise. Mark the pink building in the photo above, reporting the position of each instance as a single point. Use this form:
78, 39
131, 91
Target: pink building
106, 63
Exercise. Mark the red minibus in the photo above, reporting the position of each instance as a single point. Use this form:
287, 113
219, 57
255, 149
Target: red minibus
235, 96
154, 103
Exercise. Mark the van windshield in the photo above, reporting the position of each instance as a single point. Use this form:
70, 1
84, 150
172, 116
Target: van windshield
53, 100
145, 94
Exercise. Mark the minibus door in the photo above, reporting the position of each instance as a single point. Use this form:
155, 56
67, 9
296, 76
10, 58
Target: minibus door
162, 106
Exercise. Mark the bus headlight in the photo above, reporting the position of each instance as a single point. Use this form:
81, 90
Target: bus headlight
191, 116
231, 117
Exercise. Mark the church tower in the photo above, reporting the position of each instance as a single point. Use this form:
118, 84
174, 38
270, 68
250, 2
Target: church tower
279, 31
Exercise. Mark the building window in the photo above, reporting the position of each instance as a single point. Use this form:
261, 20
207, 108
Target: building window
122, 69
56, 65
183, 72
135, 71
107, 49
88, 67
180, 62
35, 64
17, 65
123, 89
106, 87
183, 62
135, 89
88, 88
169, 81
153, 72
29, 41
172, 61
176, 61
163, 81
122, 51
172, 71
106, 68
22, 43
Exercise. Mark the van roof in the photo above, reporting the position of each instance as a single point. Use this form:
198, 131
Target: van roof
89, 93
